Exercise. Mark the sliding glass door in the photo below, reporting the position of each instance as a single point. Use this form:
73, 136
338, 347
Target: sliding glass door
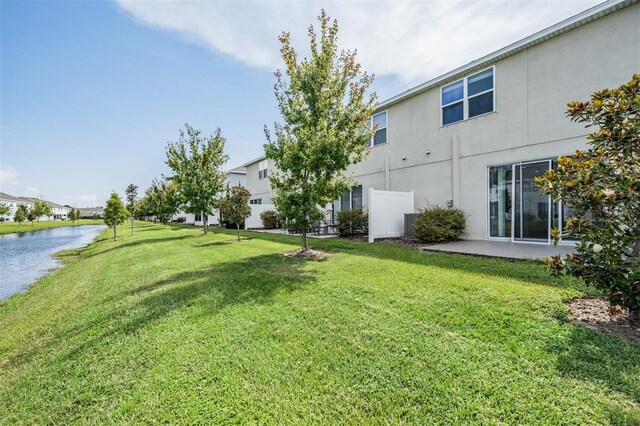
517, 210
532, 210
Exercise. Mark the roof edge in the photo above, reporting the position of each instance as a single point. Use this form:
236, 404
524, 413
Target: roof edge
575, 21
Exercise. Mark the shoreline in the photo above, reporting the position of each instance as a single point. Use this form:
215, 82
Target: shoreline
60, 258
13, 228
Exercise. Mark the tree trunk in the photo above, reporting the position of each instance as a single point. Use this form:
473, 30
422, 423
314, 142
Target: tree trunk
238, 226
132, 226
634, 316
304, 244
205, 220
115, 232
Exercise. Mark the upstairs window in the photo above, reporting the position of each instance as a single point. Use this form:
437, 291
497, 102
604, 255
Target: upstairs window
380, 136
467, 98
262, 169
255, 201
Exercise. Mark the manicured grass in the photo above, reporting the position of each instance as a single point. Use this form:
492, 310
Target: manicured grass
10, 227
169, 326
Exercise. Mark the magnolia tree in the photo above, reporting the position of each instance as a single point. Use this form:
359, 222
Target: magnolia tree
196, 162
132, 201
235, 206
326, 114
115, 213
602, 186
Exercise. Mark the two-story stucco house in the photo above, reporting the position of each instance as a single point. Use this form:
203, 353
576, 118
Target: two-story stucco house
13, 203
477, 136
258, 172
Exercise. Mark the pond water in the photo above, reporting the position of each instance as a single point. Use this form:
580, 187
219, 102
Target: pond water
26, 256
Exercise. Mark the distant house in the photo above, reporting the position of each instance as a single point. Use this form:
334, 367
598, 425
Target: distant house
13, 203
477, 136
257, 180
91, 212
58, 212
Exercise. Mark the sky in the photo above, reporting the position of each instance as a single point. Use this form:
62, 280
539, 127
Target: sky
92, 91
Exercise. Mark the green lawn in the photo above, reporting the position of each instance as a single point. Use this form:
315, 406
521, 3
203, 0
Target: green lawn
169, 326
9, 227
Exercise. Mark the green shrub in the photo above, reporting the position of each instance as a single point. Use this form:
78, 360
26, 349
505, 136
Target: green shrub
438, 224
270, 219
352, 222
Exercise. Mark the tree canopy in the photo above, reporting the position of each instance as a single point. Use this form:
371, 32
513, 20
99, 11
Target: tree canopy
196, 162
132, 201
235, 206
326, 126
115, 213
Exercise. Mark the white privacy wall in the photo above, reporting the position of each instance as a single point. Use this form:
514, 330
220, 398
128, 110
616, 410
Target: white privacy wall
254, 220
386, 213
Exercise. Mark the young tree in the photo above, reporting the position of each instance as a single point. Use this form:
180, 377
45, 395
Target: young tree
5, 209
115, 213
235, 206
132, 200
31, 215
196, 163
602, 186
42, 208
326, 128
21, 214
162, 200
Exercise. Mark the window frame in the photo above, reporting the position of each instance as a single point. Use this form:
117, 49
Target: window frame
350, 207
262, 172
371, 140
466, 97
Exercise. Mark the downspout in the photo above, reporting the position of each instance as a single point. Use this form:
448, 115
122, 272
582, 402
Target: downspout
455, 172
387, 185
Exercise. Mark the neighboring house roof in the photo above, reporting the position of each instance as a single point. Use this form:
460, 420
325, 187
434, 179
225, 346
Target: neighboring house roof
569, 24
239, 170
91, 210
6, 197
51, 203
262, 157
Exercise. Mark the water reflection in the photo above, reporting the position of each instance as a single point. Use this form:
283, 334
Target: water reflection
25, 257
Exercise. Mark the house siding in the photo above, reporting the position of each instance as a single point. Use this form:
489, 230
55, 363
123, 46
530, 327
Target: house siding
532, 88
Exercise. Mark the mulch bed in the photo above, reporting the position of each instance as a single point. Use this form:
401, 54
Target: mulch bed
596, 314
318, 255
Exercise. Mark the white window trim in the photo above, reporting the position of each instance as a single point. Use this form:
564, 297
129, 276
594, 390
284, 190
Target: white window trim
465, 98
386, 112
351, 197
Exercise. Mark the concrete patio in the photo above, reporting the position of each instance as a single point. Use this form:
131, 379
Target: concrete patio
502, 249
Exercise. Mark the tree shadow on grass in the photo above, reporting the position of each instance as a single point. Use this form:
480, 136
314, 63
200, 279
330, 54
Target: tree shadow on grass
524, 270
254, 280
100, 251
601, 358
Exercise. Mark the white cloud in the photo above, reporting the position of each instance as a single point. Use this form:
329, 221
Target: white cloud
8, 176
32, 191
410, 40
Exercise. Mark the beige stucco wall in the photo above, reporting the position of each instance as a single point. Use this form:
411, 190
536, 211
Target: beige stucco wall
532, 90
259, 188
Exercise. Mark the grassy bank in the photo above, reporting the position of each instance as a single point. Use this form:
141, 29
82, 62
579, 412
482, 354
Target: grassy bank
169, 326
10, 227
